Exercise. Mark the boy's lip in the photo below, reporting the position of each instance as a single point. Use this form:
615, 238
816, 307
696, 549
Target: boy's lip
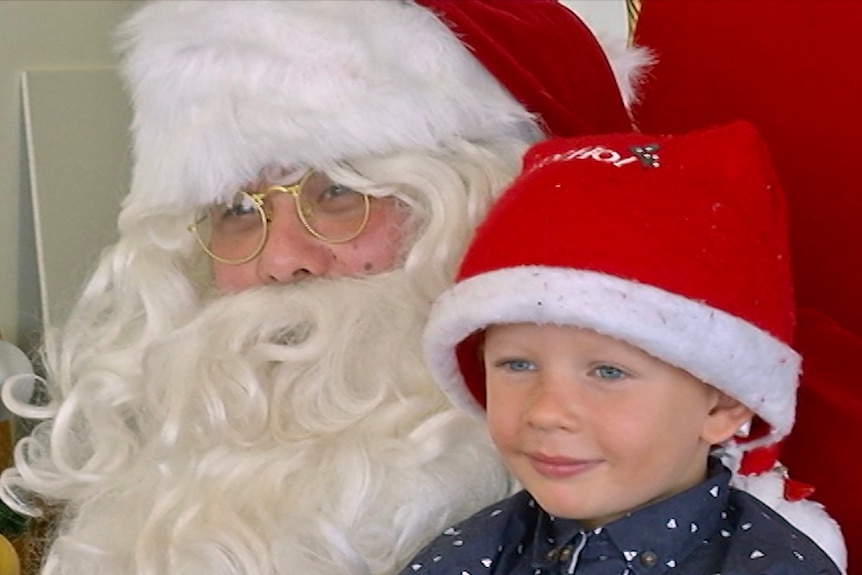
560, 466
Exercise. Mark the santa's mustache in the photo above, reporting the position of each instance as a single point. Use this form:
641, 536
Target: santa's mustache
306, 358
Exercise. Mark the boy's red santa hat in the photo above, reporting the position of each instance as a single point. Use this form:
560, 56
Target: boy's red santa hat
222, 89
676, 245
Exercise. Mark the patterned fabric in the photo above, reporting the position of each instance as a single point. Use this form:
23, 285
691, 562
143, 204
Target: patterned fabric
708, 529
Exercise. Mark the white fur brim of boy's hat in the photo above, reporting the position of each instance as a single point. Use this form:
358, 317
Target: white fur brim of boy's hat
222, 89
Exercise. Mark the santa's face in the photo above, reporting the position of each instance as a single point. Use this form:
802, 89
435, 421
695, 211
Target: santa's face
591, 426
291, 253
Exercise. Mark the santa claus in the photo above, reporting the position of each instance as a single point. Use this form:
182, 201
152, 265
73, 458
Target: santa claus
240, 388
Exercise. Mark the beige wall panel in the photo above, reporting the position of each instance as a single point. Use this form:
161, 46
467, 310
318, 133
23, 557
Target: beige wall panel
39, 35
76, 124
607, 18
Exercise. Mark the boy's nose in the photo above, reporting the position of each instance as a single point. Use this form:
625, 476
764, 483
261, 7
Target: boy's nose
551, 407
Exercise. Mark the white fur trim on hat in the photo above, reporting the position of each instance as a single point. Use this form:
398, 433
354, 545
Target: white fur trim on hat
630, 65
714, 346
224, 88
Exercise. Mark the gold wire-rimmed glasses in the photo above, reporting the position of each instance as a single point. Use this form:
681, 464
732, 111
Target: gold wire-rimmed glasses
235, 232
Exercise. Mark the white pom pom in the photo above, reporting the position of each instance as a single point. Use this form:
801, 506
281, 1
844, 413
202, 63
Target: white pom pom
629, 64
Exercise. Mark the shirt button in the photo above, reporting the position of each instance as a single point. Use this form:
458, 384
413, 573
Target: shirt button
648, 558
551, 555
566, 553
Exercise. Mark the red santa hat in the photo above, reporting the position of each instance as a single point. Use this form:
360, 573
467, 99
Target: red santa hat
223, 88
675, 245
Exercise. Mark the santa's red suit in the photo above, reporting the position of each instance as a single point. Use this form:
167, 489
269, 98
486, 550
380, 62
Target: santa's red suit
791, 68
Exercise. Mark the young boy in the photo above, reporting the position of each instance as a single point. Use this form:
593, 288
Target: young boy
625, 309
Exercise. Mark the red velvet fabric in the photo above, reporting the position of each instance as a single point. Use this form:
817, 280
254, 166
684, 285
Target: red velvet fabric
791, 68
545, 56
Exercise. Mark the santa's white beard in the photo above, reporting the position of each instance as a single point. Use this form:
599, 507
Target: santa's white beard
289, 430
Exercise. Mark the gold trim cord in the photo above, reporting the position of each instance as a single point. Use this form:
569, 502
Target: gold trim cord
633, 10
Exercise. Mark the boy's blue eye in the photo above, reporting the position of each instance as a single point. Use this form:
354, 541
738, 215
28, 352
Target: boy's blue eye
609, 372
517, 365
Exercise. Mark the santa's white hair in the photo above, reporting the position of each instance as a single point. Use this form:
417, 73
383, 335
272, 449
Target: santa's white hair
287, 429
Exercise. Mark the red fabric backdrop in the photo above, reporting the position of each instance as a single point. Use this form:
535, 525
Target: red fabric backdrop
793, 69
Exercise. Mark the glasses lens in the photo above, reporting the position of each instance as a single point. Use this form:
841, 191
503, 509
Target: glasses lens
233, 232
333, 211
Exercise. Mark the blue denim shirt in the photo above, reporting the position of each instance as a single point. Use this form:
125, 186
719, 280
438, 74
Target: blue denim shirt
709, 529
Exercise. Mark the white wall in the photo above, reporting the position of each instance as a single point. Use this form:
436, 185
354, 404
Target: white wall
604, 17
37, 35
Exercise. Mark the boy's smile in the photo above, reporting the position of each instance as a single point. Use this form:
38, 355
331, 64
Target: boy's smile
557, 466
594, 427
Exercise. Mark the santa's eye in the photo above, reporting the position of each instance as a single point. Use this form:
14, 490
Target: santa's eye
242, 204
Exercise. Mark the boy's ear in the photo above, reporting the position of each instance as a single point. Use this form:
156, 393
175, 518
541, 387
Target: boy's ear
725, 418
